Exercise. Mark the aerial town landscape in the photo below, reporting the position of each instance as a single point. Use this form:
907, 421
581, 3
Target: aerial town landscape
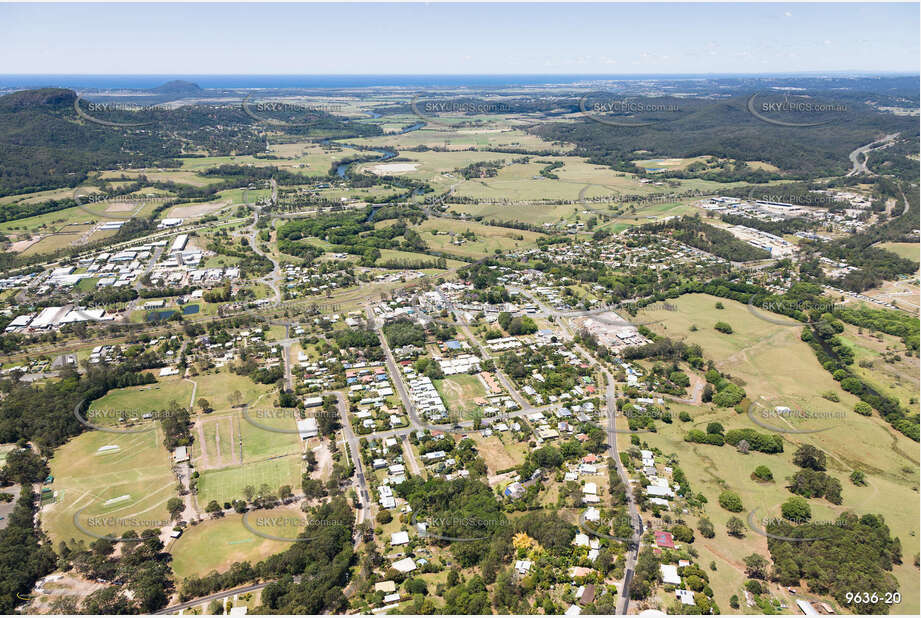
460, 343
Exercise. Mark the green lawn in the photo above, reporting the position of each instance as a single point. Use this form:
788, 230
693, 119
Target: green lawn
227, 484
907, 250
84, 477
137, 400
214, 545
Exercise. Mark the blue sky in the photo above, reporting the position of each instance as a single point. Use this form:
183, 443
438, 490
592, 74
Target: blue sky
457, 38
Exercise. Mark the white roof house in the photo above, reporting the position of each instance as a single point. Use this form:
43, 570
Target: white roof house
399, 538
406, 565
669, 574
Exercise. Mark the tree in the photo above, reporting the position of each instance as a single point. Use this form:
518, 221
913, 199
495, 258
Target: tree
735, 527
213, 508
723, 327
808, 456
731, 501
763, 473
705, 526
235, 399
756, 566
683, 533
175, 507
216, 607
714, 428
796, 509
205, 405
857, 478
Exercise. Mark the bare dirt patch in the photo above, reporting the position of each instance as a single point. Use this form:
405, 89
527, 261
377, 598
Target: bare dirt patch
21, 245
192, 211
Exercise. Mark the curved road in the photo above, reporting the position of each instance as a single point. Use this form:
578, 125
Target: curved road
860, 164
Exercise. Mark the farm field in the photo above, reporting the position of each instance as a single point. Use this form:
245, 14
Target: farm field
181, 176
53, 221
536, 214
776, 368
215, 544
132, 470
488, 238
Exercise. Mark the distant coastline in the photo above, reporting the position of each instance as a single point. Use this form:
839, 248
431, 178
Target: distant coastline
143, 82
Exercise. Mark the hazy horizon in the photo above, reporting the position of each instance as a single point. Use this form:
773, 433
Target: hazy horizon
461, 39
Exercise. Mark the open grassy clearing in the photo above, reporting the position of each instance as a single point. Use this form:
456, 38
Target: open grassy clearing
135, 475
498, 453
214, 545
89, 214
459, 137
459, 391
533, 214
898, 378
907, 250
228, 484
52, 243
310, 159
179, 176
37, 197
776, 368
259, 443
488, 238
137, 400
669, 164
434, 165
394, 254
217, 388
